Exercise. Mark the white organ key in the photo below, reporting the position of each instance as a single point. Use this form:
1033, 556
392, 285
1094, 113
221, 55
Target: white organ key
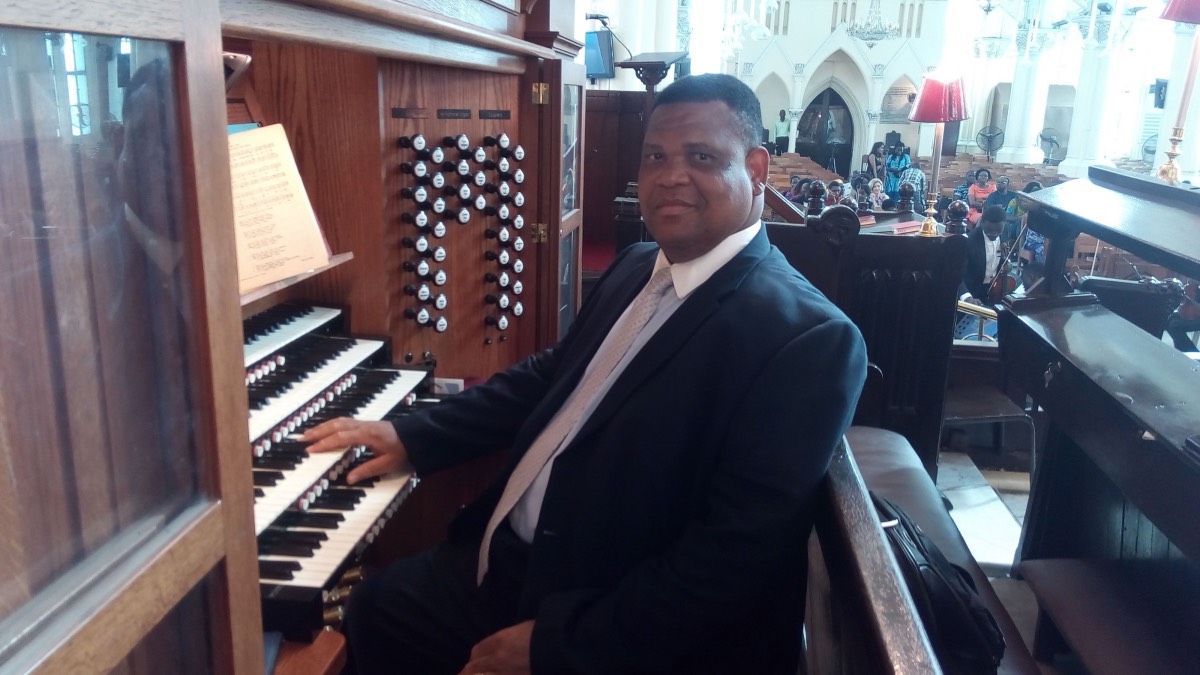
314, 572
278, 409
265, 345
282, 495
391, 396
297, 481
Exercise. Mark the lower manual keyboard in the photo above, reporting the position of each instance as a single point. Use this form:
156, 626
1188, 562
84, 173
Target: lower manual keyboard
298, 482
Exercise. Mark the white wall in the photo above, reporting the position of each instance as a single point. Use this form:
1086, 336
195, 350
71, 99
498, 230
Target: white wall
947, 39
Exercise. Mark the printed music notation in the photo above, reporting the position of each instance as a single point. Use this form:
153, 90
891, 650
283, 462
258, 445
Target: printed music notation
277, 232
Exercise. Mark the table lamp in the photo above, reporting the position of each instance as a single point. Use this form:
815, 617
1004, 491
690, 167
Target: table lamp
1183, 11
939, 101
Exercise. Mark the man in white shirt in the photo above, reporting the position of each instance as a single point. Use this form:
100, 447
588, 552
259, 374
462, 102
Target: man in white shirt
664, 456
783, 129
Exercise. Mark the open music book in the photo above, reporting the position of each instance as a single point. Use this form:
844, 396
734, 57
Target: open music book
277, 233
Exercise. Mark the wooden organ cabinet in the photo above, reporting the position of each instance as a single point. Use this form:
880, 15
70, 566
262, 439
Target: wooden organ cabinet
438, 143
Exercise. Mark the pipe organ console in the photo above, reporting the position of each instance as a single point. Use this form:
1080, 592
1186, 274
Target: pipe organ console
366, 95
311, 525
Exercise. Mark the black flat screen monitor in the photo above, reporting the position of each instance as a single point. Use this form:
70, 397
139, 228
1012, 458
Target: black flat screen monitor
598, 54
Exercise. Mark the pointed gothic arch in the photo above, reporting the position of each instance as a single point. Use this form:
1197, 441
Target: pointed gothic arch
773, 95
842, 72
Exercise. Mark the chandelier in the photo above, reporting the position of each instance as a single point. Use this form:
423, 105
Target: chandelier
874, 30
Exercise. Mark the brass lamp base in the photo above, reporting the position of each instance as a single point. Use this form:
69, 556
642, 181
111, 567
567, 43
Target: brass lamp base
1169, 171
929, 225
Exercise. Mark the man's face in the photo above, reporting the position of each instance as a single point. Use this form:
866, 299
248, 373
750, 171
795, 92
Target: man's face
697, 183
1002, 184
991, 228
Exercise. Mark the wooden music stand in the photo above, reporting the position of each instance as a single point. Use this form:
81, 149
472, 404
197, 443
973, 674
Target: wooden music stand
651, 68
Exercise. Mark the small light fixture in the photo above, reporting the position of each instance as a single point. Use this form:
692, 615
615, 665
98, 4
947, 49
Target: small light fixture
1183, 11
940, 100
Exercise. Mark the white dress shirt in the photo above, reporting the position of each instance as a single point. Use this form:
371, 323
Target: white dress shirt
686, 277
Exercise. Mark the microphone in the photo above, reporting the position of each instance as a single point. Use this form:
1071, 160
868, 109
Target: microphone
596, 17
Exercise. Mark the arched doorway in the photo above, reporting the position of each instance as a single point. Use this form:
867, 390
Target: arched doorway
826, 133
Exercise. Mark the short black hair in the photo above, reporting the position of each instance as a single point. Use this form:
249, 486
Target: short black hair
989, 173
724, 88
995, 214
1032, 186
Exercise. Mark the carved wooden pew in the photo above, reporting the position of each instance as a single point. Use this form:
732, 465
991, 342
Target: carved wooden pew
860, 616
900, 292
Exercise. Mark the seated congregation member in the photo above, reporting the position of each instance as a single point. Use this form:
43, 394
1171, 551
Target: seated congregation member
800, 192
833, 193
1001, 197
647, 521
794, 190
983, 253
876, 197
978, 193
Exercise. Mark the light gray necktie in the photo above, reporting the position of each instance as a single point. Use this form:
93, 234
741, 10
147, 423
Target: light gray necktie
543, 448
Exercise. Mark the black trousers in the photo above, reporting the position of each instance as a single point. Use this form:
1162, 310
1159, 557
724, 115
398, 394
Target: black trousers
781, 144
422, 615
1178, 328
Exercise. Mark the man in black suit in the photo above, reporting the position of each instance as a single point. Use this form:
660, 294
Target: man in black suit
984, 252
667, 531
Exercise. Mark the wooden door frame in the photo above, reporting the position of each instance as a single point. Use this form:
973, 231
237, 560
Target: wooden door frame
555, 73
98, 626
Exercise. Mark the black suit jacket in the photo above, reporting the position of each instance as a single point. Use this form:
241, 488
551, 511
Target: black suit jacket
673, 533
974, 270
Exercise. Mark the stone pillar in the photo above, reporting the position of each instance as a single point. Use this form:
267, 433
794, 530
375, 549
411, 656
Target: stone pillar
872, 130
1093, 112
1189, 159
1026, 111
799, 82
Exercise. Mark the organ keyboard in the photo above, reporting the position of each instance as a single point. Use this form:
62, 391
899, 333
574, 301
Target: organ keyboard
273, 329
311, 525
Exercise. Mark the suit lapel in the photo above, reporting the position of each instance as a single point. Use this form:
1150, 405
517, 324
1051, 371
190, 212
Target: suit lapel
678, 329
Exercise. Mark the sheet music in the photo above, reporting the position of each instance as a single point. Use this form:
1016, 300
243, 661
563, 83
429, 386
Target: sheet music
277, 231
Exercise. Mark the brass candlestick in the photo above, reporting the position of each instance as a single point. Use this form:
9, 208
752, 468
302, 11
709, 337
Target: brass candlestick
1183, 11
1169, 171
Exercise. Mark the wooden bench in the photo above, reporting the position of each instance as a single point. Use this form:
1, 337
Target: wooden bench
860, 615
900, 292
891, 468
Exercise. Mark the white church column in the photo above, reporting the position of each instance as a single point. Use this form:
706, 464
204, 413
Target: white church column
1092, 113
1026, 110
1189, 159
799, 84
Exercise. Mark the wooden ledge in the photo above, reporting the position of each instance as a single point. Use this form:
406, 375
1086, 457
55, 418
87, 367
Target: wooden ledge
1110, 617
325, 656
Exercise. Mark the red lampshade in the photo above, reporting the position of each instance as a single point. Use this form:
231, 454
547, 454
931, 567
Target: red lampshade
942, 100
1183, 11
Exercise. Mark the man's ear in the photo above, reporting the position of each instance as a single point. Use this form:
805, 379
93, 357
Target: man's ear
758, 163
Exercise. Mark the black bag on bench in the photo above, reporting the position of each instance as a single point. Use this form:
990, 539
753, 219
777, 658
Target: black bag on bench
963, 632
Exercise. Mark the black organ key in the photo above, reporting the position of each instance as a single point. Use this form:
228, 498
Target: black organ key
277, 569
317, 521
